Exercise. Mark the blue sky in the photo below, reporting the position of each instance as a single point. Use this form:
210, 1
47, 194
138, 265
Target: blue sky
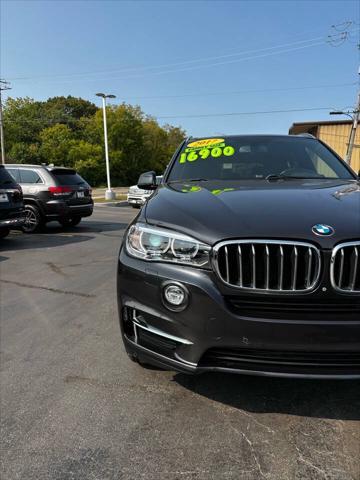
186, 58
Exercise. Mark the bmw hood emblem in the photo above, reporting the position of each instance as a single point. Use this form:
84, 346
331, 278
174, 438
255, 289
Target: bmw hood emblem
323, 230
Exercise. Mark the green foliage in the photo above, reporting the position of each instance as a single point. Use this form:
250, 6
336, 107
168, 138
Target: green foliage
69, 131
56, 142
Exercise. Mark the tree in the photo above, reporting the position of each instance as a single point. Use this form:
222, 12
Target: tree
68, 110
69, 131
87, 159
56, 142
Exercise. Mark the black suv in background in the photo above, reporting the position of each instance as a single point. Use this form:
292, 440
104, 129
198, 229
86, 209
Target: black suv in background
11, 203
52, 193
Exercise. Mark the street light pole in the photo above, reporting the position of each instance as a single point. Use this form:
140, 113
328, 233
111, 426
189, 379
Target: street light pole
109, 194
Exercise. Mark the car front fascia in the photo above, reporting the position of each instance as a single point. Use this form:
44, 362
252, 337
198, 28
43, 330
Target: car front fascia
203, 322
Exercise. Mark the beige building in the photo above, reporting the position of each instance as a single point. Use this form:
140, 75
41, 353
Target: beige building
335, 134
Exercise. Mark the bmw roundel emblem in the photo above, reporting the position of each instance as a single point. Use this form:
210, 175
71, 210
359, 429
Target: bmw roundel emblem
323, 230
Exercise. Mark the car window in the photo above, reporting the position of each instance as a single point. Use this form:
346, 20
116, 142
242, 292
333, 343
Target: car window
29, 176
320, 165
5, 177
14, 172
68, 177
256, 157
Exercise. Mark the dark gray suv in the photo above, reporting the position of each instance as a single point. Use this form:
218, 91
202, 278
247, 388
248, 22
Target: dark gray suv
52, 193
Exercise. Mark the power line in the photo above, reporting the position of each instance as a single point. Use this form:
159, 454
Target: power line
186, 62
195, 67
237, 92
205, 115
339, 32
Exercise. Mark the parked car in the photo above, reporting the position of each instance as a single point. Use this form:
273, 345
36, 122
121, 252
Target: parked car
52, 193
246, 259
137, 197
11, 203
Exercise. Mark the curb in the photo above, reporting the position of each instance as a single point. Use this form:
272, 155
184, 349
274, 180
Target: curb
120, 203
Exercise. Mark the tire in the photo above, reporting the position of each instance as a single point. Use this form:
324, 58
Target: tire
70, 221
33, 219
4, 232
136, 206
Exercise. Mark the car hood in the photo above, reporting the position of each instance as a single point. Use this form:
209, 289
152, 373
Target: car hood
286, 209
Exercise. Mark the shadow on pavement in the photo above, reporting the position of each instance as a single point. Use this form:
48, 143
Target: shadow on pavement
87, 226
20, 241
326, 399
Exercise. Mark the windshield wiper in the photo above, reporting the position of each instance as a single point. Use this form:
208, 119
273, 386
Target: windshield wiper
189, 180
275, 176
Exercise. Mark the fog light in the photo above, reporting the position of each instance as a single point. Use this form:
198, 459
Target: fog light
175, 296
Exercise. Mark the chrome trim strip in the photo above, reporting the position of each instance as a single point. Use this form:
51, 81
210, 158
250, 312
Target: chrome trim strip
337, 285
156, 331
252, 242
184, 361
81, 206
190, 366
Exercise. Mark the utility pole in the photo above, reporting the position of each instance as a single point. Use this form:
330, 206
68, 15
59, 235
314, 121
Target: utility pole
109, 194
354, 115
3, 86
353, 131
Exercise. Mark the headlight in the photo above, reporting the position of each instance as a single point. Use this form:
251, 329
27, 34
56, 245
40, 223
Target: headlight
160, 245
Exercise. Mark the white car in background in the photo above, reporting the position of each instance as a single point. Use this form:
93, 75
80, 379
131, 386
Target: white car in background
137, 197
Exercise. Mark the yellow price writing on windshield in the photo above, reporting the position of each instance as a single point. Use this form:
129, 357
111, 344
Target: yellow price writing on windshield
204, 153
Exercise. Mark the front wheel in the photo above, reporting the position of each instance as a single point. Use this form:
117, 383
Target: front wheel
33, 219
70, 221
4, 232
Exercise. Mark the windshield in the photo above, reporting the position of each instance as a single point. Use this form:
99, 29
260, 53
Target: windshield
256, 157
68, 177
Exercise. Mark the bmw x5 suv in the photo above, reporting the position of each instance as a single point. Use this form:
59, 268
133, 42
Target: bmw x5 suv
52, 193
246, 259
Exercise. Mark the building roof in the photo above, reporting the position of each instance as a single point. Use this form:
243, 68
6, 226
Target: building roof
301, 127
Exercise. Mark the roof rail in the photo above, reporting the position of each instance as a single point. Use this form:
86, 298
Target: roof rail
308, 135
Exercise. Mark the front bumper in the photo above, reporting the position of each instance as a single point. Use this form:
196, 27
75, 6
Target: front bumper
209, 335
15, 220
136, 199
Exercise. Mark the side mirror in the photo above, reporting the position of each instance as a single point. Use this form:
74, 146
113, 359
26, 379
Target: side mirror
147, 181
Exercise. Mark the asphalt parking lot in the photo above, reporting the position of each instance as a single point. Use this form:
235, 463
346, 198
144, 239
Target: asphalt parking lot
74, 407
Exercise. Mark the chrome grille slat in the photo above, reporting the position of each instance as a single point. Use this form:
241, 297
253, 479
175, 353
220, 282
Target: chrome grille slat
295, 268
253, 267
227, 263
268, 265
354, 268
267, 268
345, 267
240, 266
281, 268
308, 268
